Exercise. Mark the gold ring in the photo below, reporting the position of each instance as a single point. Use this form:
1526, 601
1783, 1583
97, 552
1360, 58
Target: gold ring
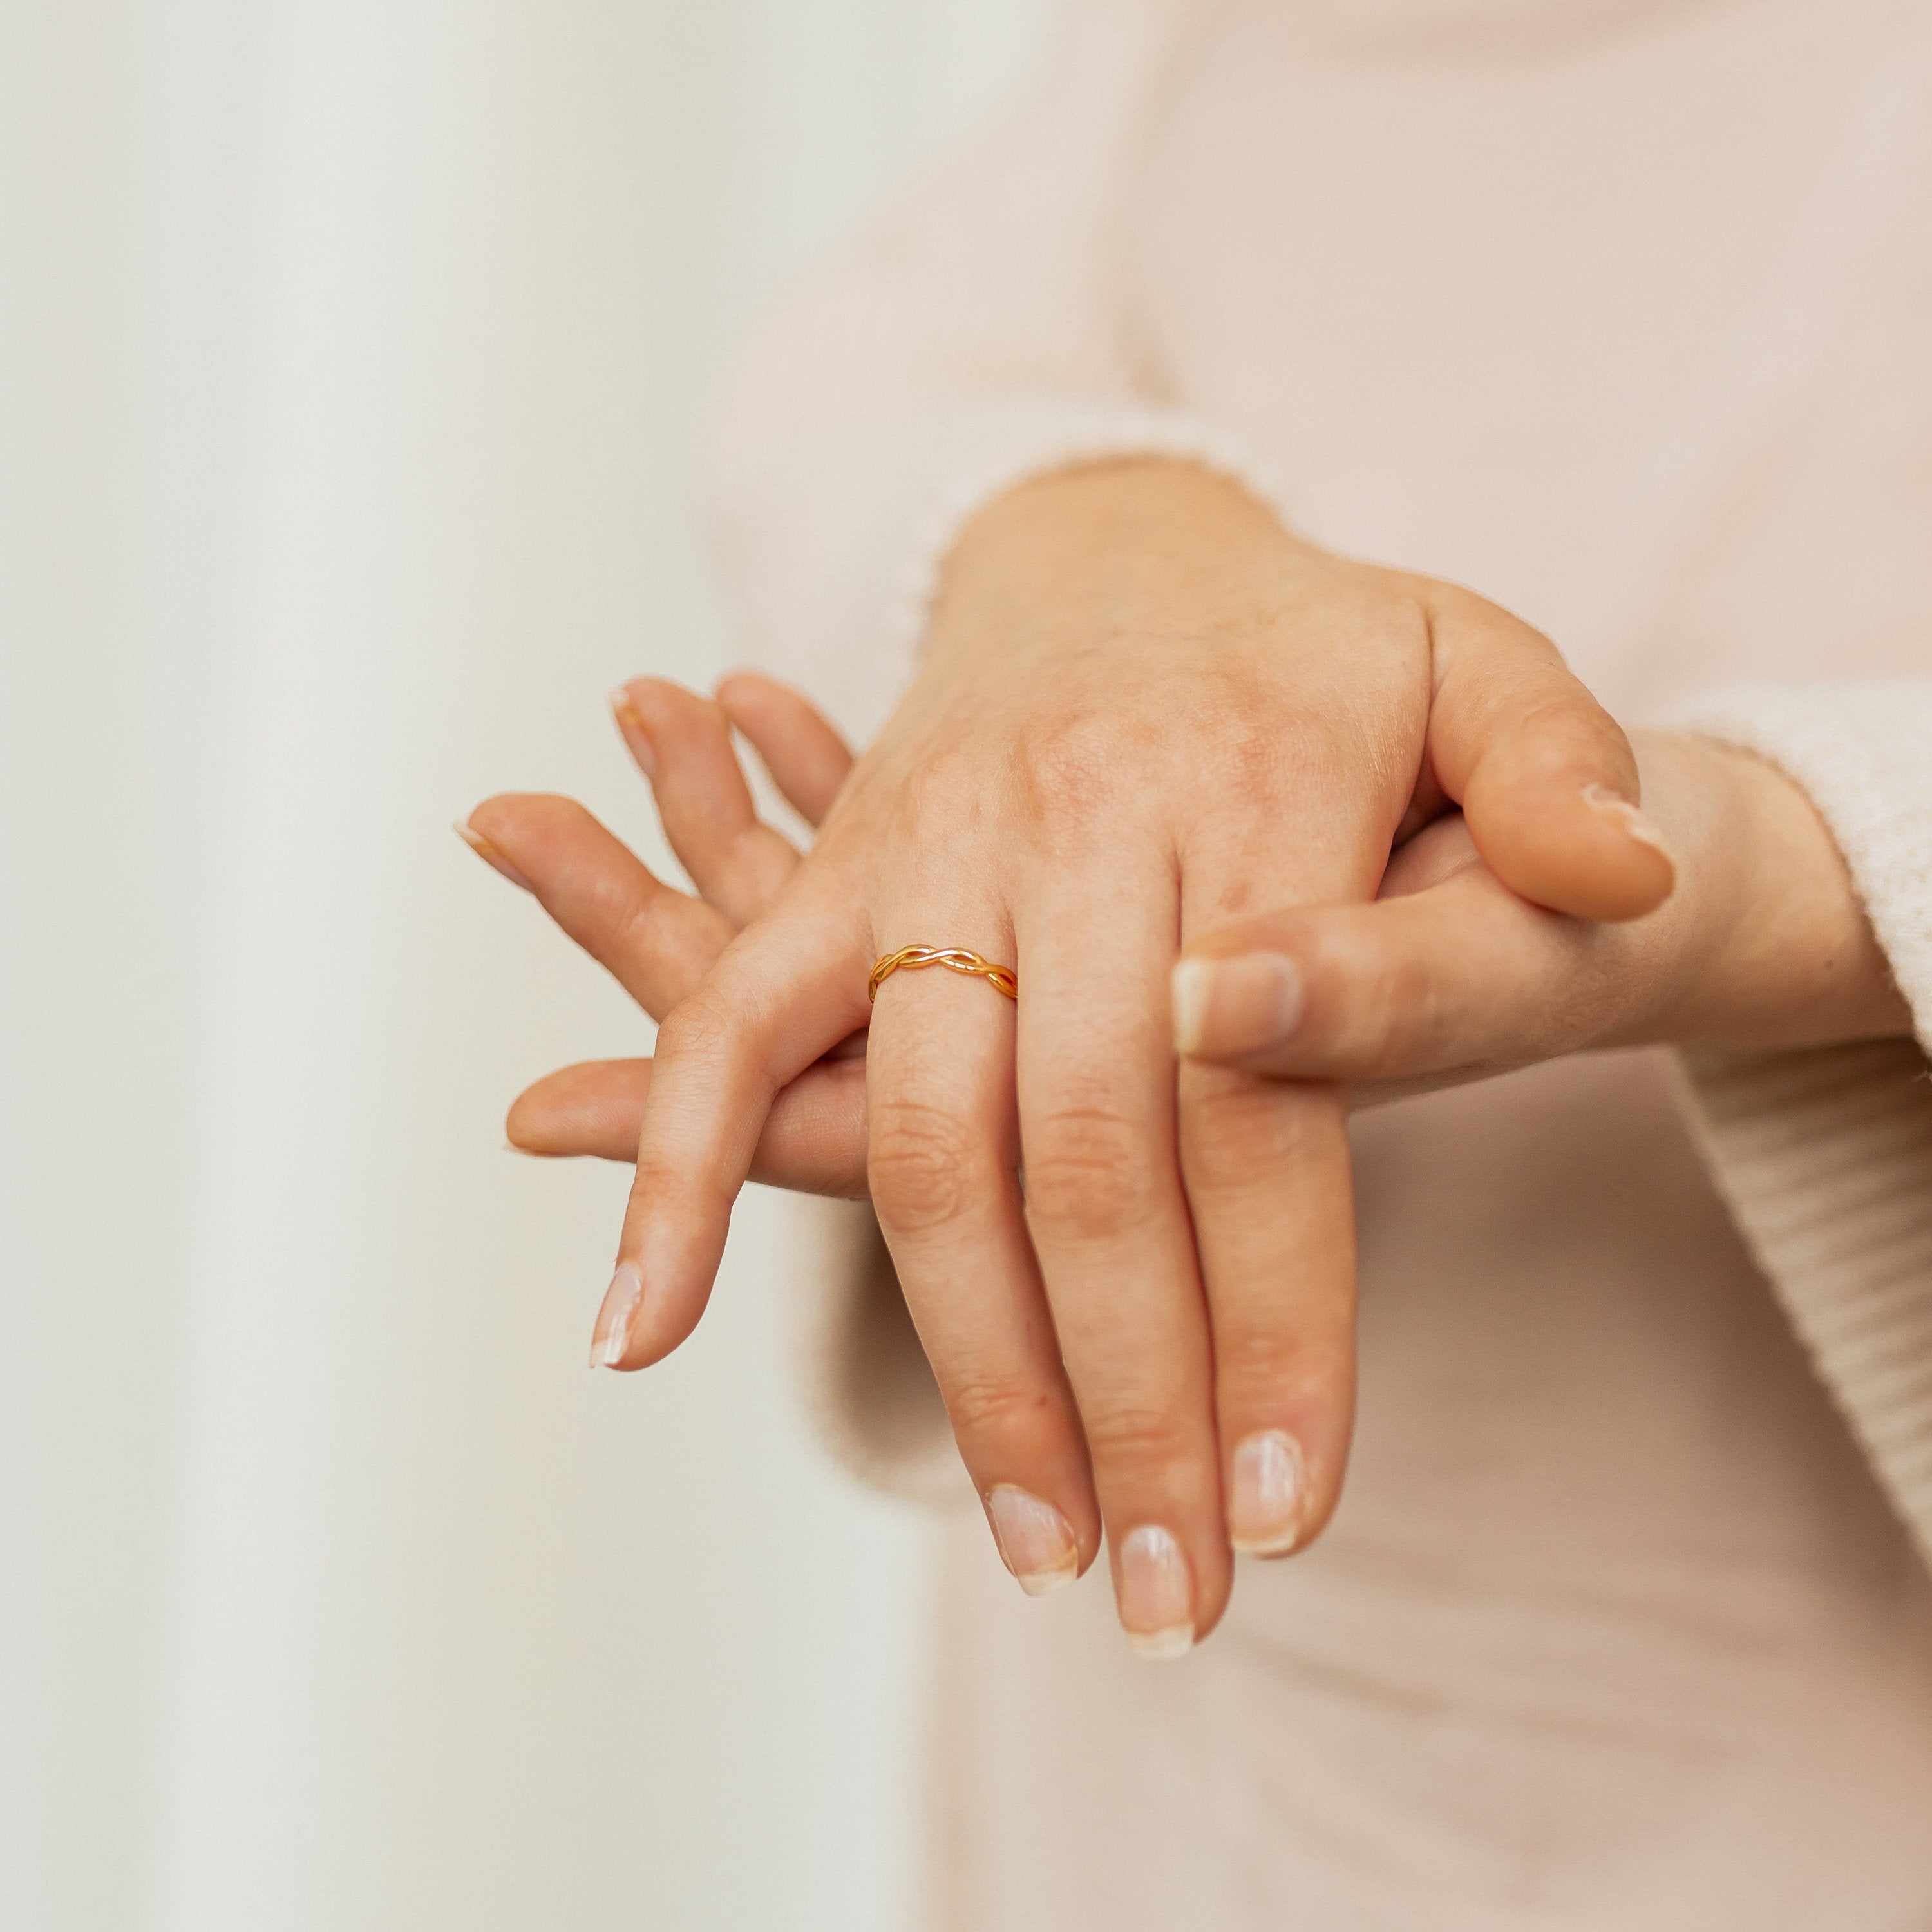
955, 958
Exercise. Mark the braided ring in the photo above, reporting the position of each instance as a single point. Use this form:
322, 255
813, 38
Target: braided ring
955, 958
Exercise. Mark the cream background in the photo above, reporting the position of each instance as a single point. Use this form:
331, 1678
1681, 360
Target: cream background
351, 355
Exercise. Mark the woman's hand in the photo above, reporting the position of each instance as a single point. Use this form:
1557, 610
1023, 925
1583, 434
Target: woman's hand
1452, 976
1144, 708
658, 942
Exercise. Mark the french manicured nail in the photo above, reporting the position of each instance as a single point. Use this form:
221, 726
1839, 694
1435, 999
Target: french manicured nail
1157, 1593
612, 1335
1036, 1541
1638, 824
1235, 1005
1265, 1498
491, 856
631, 722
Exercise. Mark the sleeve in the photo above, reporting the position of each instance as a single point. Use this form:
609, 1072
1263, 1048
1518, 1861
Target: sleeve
1825, 1155
980, 332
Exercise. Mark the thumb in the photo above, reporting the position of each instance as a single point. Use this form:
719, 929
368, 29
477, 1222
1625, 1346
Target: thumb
1545, 777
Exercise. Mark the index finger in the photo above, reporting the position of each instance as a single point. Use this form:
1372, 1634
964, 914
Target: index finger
781, 994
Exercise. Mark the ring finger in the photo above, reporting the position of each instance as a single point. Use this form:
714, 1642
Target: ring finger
942, 1166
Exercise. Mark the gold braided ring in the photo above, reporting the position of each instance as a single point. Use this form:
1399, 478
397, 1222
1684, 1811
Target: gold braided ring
955, 958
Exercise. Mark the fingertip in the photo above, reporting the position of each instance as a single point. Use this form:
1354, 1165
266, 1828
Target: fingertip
523, 1124
611, 1339
632, 727
592, 1110
1228, 1007
1587, 850
1652, 878
639, 1323
493, 817
489, 853
742, 683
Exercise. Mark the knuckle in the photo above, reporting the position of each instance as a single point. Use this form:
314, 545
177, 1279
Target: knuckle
1072, 766
702, 1026
1368, 1006
919, 1163
931, 798
1259, 1359
631, 921
1233, 1135
998, 1409
1138, 1436
1399, 1013
1087, 1174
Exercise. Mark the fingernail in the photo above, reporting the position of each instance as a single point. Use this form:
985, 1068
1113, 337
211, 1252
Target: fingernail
630, 721
612, 1335
491, 856
1233, 1006
1638, 824
1265, 1497
1157, 1593
1036, 1541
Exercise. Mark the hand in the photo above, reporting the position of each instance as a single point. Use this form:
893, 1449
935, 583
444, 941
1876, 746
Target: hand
658, 942
1452, 976
1144, 706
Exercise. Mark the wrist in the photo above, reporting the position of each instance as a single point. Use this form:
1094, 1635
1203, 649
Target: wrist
1773, 948
1136, 545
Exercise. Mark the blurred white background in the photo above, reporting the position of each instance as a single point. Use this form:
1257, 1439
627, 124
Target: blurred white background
353, 357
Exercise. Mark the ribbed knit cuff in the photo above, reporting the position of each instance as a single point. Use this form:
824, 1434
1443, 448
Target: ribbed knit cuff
1825, 1155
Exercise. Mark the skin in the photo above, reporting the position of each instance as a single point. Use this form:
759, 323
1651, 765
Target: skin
1135, 680
1448, 976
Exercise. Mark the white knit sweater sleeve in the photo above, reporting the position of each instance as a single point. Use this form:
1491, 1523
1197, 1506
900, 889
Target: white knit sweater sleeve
979, 332
1825, 1155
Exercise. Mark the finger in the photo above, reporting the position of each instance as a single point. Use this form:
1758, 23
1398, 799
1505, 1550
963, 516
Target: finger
1269, 1180
814, 1140
596, 1107
1268, 1177
682, 743
1544, 774
942, 1166
1463, 977
804, 753
656, 942
782, 993
1104, 1204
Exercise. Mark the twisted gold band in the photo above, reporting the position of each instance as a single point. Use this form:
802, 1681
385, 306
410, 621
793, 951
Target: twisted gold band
955, 958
